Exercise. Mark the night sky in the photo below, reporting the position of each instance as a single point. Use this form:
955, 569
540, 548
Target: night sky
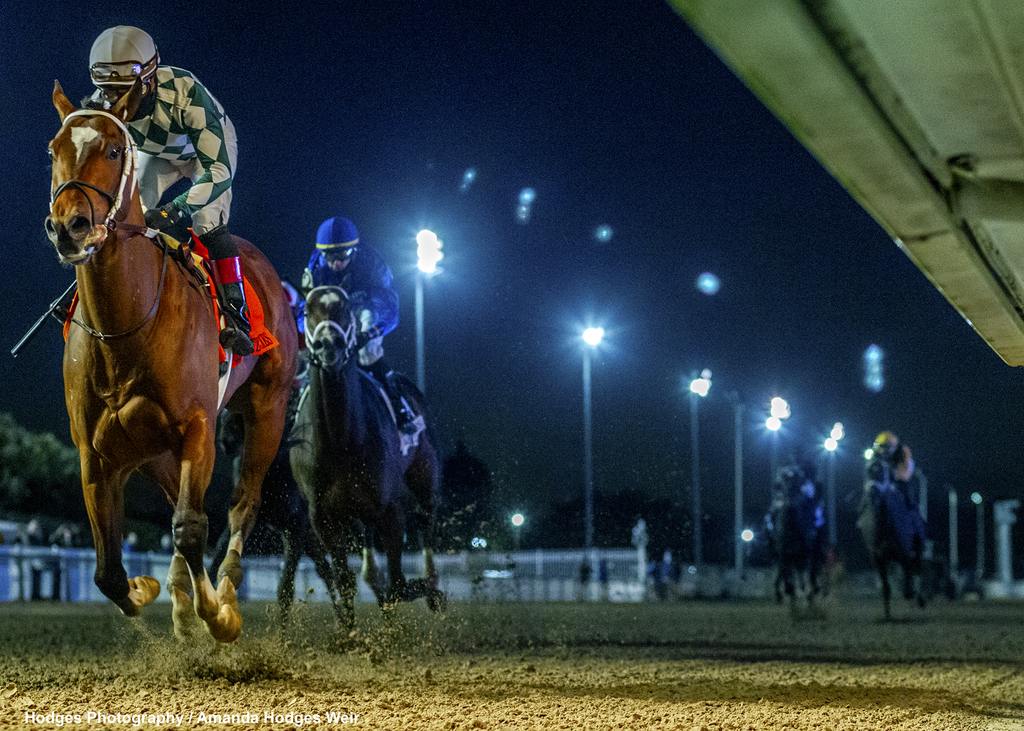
615, 113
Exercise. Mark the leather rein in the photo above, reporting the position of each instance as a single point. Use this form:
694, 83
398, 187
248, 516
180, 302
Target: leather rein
116, 211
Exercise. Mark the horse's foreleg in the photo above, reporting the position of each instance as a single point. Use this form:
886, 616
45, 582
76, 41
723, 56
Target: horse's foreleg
334, 536
218, 609
883, 573
103, 490
292, 541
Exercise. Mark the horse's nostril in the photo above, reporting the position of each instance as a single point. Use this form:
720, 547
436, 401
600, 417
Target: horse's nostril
79, 224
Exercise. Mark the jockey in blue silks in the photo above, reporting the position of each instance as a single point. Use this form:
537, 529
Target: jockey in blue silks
340, 260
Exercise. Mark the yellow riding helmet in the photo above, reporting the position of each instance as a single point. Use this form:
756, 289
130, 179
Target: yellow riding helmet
885, 443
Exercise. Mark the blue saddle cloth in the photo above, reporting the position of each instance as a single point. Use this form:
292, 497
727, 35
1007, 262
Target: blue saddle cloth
900, 518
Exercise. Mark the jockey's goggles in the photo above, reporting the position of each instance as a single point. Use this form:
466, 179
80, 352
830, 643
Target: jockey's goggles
340, 254
122, 73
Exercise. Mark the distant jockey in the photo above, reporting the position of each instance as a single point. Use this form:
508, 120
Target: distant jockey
182, 133
891, 473
340, 260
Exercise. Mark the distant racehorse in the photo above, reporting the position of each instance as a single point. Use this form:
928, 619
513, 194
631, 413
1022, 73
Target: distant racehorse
141, 371
893, 529
349, 460
796, 531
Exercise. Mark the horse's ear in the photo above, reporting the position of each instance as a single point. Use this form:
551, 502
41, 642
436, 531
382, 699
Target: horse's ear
128, 104
61, 102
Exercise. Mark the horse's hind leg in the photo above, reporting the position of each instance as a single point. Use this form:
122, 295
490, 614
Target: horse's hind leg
218, 609
264, 422
103, 490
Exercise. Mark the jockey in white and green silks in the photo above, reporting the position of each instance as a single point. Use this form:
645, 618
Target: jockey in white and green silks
182, 133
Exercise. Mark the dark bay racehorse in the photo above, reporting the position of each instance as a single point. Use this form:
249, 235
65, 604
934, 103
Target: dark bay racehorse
349, 463
797, 534
141, 371
893, 533
283, 509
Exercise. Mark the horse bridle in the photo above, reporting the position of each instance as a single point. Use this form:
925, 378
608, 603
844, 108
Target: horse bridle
349, 335
117, 200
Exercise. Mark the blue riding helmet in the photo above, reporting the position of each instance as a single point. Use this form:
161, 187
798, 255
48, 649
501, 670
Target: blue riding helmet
337, 237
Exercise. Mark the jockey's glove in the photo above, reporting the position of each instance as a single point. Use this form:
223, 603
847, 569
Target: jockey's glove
367, 335
165, 217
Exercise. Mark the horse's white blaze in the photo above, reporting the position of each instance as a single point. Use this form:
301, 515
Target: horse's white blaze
81, 137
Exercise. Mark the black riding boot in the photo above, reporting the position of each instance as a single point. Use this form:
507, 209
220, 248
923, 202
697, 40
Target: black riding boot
383, 375
227, 267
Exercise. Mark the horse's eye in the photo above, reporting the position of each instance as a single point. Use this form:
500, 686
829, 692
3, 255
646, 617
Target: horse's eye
113, 153
49, 152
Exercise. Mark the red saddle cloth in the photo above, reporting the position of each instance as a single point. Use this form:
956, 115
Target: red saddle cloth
262, 339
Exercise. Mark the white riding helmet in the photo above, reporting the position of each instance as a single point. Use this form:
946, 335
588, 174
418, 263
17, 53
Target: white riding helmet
120, 55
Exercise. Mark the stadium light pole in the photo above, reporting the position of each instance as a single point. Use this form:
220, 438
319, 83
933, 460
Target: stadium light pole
592, 337
699, 388
979, 531
428, 256
831, 445
737, 467
517, 520
954, 535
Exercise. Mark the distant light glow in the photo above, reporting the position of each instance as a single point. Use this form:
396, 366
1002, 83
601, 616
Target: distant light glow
976, 498
527, 196
603, 233
517, 520
708, 283
747, 535
701, 385
523, 214
874, 368
468, 178
428, 251
478, 542
593, 336
837, 432
831, 444
773, 423
779, 408
868, 454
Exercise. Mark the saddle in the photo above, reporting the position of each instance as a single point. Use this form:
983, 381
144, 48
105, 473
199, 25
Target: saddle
194, 258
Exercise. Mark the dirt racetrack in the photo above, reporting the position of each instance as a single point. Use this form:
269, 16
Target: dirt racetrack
570, 666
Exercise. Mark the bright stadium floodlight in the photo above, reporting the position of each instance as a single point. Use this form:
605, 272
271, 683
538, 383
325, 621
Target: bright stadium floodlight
593, 336
701, 385
831, 444
517, 520
838, 432
780, 408
773, 423
428, 251
747, 535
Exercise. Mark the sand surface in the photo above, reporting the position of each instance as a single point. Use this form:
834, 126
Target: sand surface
696, 665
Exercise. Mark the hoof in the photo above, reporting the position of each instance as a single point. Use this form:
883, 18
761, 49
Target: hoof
437, 601
142, 590
186, 623
227, 624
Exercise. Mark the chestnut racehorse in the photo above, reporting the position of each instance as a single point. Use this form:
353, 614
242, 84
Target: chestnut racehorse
141, 371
